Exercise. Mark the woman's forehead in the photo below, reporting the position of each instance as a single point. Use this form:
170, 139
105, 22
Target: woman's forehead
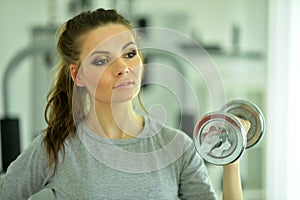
106, 38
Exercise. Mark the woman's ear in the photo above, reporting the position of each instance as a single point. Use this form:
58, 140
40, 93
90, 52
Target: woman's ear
76, 76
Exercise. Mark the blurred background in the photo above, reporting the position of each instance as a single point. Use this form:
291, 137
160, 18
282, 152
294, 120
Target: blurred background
252, 44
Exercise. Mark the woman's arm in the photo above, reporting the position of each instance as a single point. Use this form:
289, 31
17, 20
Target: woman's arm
194, 180
232, 186
27, 175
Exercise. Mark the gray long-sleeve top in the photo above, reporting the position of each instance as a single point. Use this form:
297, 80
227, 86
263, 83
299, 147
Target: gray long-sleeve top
161, 163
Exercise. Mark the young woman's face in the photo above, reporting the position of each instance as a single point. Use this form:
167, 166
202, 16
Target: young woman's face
111, 68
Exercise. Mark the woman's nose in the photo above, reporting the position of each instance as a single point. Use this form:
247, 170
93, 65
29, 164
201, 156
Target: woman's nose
120, 67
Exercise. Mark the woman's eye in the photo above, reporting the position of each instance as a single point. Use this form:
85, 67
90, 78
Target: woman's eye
131, 54
100, 62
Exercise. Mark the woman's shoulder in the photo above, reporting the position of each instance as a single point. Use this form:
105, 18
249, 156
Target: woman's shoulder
37, 143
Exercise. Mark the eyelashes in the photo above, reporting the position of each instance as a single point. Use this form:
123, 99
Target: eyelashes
131, 54
104, 61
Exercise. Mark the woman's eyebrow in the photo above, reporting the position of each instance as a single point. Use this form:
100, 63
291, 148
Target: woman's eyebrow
126, 45
107, 52
99, 52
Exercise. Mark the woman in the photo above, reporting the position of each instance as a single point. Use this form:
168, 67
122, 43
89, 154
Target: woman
100, 147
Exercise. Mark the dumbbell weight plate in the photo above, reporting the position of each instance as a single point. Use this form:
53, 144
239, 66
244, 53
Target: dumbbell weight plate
219, 138
248, 111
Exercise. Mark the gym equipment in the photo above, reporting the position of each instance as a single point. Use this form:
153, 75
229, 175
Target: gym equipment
9, 125
10, 141
220, 138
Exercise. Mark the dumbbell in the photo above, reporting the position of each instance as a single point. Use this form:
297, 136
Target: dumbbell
220, 138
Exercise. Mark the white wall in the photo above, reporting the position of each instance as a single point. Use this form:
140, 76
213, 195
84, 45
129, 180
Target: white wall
211, 21
283, 101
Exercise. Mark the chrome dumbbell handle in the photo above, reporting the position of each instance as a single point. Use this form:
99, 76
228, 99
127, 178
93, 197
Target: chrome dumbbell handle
214, 139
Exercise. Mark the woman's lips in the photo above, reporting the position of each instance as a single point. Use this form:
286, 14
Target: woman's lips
124, 84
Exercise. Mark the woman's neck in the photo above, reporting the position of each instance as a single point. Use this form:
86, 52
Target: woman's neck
115, 121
